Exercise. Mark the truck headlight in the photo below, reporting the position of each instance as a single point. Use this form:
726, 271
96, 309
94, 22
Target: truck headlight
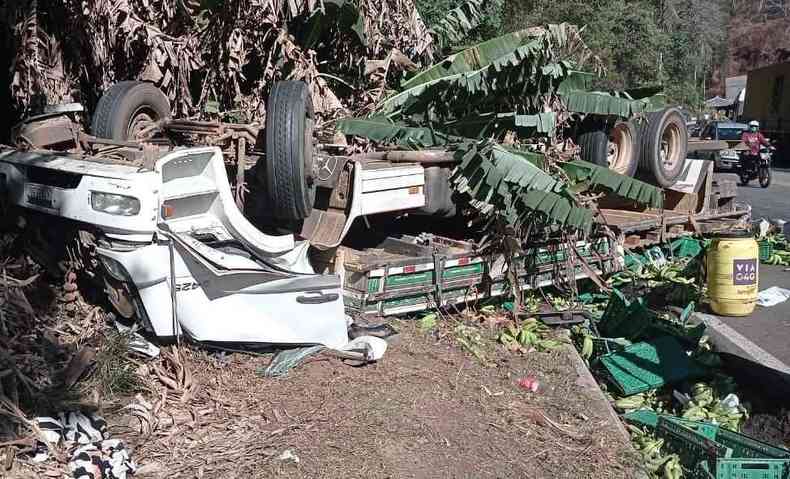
114, 268
115, 204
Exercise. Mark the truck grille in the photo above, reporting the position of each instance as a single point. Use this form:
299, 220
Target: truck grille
59, 179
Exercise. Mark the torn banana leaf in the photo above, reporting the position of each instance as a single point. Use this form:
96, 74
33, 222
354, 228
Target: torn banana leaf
383, 131
458, 22
472, 59
492, 124
594, 176
501, 182
601, 103
524, 66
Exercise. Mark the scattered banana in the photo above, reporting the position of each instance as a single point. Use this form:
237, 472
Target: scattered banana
587, 347
672, 469
528, 333
630, 403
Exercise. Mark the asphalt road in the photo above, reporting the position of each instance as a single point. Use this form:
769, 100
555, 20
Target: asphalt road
768, 328
772, 202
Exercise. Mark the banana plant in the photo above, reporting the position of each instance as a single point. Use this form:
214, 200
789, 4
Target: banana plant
527, 82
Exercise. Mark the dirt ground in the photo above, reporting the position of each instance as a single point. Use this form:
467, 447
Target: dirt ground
429, 409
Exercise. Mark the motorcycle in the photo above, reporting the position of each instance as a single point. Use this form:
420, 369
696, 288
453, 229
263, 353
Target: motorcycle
760, 169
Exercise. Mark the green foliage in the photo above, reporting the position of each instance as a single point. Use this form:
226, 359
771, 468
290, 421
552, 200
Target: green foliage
595, 176
475, 97
428, 322
487, 23
671, 42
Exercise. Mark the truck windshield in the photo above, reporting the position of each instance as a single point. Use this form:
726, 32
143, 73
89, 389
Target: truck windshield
730, 134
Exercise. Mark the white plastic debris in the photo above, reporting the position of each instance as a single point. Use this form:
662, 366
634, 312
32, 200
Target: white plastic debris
764, 226
656, 257
772, 296
731, 403
373, 347
137, 342
289, 456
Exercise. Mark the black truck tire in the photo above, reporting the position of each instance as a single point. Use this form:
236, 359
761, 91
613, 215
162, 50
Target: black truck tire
664, 141
287, 170
615, 147
593, 141
127, 108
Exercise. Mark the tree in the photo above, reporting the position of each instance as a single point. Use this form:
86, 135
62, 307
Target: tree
675, 43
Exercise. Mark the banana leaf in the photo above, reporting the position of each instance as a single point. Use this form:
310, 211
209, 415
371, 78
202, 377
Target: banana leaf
471, 59
509, 184
458, 22
383, 131
490, 125
526, 61
512, 74
601, 103
594, 176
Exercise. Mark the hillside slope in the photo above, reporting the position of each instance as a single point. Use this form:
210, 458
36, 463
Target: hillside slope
759, 36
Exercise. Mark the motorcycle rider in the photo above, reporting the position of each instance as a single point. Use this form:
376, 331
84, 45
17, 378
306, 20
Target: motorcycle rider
753, 139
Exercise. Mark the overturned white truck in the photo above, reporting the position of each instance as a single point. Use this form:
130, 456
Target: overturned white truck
157, 227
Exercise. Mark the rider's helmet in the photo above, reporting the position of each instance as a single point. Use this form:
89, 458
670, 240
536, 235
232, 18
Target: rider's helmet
754, 125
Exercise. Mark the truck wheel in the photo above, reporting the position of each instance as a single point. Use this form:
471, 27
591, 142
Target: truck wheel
623, 148
127, 108
594, 142
664, 142
616, 148
287, 170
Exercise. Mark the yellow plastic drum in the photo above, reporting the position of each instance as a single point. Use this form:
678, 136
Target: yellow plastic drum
732, 263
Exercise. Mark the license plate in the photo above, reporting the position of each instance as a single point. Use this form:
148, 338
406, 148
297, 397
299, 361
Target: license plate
39, 195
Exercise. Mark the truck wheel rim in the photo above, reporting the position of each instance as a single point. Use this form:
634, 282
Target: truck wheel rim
670, 147
620, 149
140, 120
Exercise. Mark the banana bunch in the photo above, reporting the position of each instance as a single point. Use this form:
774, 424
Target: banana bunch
584, 341
656, 463
588, 347
779, 258
631, 403
647, 400
529, 333
672, 468
705, 406
672, 272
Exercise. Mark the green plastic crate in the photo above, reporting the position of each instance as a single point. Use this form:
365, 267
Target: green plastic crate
752, 469
766, 250
649, 365
624, 319
697, 453
712, 452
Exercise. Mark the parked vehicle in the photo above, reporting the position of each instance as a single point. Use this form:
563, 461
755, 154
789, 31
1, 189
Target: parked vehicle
760, 169
730, 132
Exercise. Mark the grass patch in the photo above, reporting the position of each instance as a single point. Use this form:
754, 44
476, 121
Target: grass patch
115, 374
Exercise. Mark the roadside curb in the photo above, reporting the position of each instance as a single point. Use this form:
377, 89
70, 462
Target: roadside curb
590, 387
727, 340
598, 400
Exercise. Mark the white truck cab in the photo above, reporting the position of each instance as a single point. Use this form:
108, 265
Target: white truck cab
178, 253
